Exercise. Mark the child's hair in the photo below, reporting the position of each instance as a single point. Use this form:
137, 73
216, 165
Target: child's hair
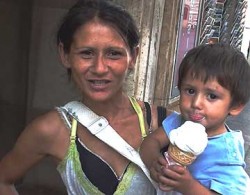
222, 62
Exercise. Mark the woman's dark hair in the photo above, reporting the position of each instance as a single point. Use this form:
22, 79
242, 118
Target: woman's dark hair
105, 11
222, 62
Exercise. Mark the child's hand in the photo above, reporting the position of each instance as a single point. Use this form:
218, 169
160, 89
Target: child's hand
176, 177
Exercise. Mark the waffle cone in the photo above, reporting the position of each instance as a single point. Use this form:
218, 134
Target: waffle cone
183, 158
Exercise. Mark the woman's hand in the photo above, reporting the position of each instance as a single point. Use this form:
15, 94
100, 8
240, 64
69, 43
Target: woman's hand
176, 177
156, 168
179, 179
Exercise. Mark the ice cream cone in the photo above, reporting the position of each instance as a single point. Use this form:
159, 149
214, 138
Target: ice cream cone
181, 157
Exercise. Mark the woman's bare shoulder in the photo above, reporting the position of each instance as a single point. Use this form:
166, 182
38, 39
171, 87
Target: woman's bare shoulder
47, 124
45, 132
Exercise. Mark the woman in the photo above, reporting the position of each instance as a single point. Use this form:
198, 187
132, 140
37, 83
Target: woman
98, 45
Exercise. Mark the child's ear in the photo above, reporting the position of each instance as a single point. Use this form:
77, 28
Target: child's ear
235, 110
63, 56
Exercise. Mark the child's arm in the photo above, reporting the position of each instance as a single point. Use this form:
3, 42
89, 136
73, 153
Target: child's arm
150, 152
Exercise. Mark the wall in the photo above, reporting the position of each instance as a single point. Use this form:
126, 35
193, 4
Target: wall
14, 51
48, 84
157, 20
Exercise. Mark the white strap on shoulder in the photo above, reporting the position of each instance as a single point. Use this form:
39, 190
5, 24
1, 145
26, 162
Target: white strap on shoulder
99, 126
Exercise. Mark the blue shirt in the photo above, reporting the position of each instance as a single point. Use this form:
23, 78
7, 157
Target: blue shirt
221, 166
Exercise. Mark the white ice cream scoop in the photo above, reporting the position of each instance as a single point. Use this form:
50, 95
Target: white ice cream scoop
190, 137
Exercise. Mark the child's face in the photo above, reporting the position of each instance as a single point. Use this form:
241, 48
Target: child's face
206, 103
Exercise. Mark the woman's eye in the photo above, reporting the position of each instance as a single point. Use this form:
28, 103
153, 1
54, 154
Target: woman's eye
114, 54
87, 54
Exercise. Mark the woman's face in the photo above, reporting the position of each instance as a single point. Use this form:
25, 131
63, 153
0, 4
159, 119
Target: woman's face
99, 60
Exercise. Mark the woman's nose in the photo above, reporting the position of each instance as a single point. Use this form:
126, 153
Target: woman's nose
100, 65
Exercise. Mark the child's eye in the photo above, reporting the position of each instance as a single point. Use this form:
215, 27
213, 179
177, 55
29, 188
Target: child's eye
190, 91
212, 96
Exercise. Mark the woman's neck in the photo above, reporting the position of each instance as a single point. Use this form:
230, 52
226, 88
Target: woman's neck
112, 108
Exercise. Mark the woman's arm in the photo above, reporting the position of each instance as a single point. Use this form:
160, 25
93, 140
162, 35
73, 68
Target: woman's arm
34, 143
7, 189
150, 152
17, 162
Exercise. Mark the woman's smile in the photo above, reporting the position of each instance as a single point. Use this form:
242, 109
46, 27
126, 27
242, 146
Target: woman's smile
99, 84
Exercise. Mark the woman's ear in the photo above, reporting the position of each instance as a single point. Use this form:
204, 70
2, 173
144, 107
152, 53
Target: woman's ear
236, 110
63, 56
134, 57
